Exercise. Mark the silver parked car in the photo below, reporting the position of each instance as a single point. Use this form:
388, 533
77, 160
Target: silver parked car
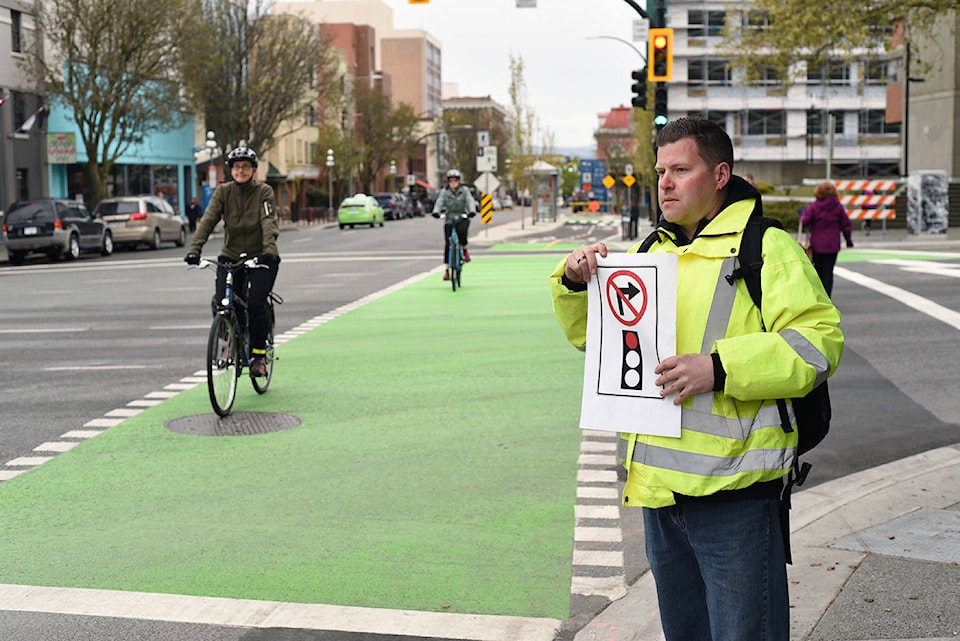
145, 219
56, 227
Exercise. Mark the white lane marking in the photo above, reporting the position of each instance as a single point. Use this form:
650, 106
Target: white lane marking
919, 303
86, 368
44, 330
272, 614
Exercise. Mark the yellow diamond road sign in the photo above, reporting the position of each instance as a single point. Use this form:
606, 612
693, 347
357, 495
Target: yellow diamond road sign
628, 180
609, 181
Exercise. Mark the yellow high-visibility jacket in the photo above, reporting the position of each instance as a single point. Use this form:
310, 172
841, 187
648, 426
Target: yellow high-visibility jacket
733, 439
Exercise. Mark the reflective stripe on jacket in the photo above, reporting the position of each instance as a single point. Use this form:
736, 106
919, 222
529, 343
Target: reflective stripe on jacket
731, 439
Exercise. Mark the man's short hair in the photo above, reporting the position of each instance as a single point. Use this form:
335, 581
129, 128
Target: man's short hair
713, 143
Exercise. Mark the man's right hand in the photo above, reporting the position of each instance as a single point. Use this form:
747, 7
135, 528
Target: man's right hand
192, 259
582, 262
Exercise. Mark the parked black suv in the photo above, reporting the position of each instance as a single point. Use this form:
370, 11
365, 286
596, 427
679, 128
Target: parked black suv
58, 228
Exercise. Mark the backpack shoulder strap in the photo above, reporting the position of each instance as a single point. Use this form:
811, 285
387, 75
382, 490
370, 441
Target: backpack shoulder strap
648, 242
751, 256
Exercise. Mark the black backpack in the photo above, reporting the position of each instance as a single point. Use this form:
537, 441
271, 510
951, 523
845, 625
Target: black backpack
812, 411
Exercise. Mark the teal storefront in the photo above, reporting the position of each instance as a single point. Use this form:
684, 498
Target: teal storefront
163, 164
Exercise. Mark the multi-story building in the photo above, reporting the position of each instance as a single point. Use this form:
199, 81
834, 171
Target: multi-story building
22, 155
40, 154
404, 64
831, 119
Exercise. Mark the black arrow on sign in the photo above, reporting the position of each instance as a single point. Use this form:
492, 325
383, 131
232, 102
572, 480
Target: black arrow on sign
629, 292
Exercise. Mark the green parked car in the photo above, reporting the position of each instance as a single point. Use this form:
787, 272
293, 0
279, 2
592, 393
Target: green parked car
360, 209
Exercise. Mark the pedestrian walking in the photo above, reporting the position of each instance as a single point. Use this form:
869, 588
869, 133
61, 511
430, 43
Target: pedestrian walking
711, 498
193, 214
826, 220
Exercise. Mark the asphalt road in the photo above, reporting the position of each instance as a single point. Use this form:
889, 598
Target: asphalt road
81, 339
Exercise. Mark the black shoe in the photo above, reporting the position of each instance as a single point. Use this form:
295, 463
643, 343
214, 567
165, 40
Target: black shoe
258, 367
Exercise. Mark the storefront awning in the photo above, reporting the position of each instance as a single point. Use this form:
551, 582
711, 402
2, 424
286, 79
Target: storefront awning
425, 185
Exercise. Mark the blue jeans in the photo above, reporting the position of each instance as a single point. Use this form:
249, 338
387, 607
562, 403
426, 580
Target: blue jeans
720, 570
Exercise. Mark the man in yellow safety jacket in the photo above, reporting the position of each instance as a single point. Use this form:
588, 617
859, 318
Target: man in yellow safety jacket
711, 496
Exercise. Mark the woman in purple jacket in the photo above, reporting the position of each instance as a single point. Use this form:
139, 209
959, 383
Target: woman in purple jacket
825, 219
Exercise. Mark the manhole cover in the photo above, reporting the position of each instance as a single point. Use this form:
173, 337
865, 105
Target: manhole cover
237, 424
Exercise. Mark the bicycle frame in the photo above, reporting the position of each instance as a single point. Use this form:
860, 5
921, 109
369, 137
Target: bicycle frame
228, 342
455, 256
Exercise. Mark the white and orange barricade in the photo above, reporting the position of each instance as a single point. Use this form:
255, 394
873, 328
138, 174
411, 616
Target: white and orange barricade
868, 203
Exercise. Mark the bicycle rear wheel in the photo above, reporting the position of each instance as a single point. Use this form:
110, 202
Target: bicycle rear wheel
261, 383
223, 364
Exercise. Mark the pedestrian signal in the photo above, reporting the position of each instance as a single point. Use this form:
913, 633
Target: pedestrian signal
660, 55
639, 88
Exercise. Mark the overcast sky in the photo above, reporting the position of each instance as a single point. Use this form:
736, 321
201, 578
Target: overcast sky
576, 61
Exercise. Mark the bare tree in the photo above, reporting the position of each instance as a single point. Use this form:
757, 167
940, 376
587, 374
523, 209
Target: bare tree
109, 64
383, 132
249, 71
524, 129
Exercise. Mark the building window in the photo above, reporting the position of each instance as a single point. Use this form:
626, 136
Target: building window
711, 71
873, 71
835, 72
818, 119
755, 20
872, 121
706, 23
763, 122
769, 77
16, 33
719, 117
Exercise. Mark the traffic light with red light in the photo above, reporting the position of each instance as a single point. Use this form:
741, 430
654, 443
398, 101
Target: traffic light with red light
660, 55
639, 88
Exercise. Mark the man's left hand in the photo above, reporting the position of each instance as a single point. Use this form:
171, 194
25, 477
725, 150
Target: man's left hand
684, 375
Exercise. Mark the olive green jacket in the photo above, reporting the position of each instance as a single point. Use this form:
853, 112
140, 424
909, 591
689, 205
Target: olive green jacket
249, 215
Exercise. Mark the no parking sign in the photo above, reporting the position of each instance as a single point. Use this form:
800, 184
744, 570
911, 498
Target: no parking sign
631, 327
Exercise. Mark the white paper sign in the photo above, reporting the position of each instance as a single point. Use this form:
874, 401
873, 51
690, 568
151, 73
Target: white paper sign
631, 327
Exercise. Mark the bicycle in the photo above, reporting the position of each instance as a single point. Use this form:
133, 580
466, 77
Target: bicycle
455, 253
229, 340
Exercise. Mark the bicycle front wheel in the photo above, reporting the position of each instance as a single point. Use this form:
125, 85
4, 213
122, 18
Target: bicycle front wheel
223, 364
454, 261
261, 383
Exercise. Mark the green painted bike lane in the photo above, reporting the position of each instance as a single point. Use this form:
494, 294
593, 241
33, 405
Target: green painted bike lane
435, 468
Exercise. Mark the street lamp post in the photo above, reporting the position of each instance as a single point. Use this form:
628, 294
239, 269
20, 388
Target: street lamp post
330, 164
212, 148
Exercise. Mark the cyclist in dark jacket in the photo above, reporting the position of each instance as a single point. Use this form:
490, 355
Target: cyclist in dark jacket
458, 204
249, 213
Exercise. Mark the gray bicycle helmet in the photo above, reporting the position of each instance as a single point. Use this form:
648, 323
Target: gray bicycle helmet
453, 173
242, 153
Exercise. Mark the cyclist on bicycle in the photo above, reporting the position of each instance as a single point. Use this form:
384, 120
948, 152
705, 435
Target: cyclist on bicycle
249, 214
458, 204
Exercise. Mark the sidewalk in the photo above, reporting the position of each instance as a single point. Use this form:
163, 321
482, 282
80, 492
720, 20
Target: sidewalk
876, 554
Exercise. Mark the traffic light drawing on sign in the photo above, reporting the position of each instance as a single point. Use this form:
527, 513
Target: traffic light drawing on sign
631, 327
631, 372
639, 88
660, 55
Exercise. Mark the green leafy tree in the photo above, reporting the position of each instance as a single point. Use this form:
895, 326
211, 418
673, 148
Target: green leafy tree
108, 63
778, 33
249, 71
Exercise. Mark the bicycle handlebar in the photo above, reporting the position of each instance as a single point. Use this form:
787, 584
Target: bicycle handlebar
250, 263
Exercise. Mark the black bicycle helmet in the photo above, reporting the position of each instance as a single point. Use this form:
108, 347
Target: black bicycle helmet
453, 173
242, 153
